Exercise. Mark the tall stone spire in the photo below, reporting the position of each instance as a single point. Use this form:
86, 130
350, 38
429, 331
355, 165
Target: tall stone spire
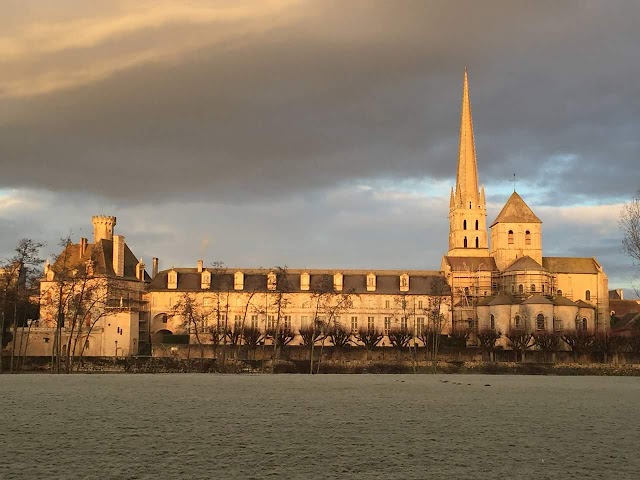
467, 212
467, 178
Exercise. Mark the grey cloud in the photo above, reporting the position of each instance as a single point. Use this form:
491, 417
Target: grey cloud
352, 90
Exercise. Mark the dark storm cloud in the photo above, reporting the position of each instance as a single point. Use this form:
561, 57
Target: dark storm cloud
337, 91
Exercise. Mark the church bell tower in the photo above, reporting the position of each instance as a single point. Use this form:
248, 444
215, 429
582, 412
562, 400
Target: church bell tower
467, 209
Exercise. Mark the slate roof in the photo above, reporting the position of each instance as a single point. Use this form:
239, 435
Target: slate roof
421, 282
505, 299
570, 264
622, 307
630, 321
102, 254
561, 301
537, 300
473, 264
583, 304
524, 263
516, 211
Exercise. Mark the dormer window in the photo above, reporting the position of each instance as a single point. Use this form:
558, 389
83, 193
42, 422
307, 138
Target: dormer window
238, 281
337, 282
510, 237
172, 280
304, 281
404, 282
371, 282
271, 281
205, 280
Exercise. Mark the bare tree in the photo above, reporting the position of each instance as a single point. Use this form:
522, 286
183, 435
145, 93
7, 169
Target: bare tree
370, 338
253, 338
487, 340
549, 343
438, 296
399, 337
579, 341
18, 281
630, 225
194, 318
520, 341
339, 336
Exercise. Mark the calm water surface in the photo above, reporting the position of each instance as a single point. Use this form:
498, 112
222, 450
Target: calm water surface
327, 426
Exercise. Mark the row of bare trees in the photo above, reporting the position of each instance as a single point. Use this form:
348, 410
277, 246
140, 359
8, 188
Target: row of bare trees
579, 342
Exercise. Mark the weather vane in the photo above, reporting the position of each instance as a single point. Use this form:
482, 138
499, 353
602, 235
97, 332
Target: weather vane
514, 182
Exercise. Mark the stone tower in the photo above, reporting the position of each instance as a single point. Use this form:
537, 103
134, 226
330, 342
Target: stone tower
103, 227
467, 209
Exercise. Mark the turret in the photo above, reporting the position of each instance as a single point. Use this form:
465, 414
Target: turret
103, 227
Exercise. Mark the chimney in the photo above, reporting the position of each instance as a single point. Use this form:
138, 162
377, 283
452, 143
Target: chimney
200, 265
83, 246
118, 255
154, 267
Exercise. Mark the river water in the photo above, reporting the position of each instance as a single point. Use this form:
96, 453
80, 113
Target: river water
324, 426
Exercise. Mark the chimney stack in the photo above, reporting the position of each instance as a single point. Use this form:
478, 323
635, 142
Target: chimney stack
118, 255
200, 265
154, 267
83, 246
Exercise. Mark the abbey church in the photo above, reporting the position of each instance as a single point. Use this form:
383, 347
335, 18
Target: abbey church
508, 284
488, 281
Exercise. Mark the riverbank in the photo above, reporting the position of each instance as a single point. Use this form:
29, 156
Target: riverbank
209, 365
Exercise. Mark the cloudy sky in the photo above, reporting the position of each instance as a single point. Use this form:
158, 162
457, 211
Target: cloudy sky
314, 133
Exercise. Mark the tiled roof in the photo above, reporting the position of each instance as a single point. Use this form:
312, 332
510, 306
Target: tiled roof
537, 300
561, 301
525, 263
516, 211
570, 264
102, 255
473, 264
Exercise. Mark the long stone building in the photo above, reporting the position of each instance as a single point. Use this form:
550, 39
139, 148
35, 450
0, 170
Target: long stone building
499, 281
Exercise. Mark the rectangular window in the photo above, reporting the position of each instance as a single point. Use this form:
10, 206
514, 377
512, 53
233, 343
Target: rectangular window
271, 322
254, 321
304, 321
354, 324
387, 304
420, 304
387, 325
287, 321
420, 325
237, 322
371, 323
403, 323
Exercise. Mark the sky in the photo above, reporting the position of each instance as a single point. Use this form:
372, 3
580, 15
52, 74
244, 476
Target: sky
314, 134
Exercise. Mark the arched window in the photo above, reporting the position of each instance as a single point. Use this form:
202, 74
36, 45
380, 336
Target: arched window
477, 243
587, 295
513, 288
527, 237
510, 237
516, 322
464, 224
520, 288
533, 287
465, 242
543, 288
584, 324
540, 323
466, 291
559, 292
476, 224
492, 322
